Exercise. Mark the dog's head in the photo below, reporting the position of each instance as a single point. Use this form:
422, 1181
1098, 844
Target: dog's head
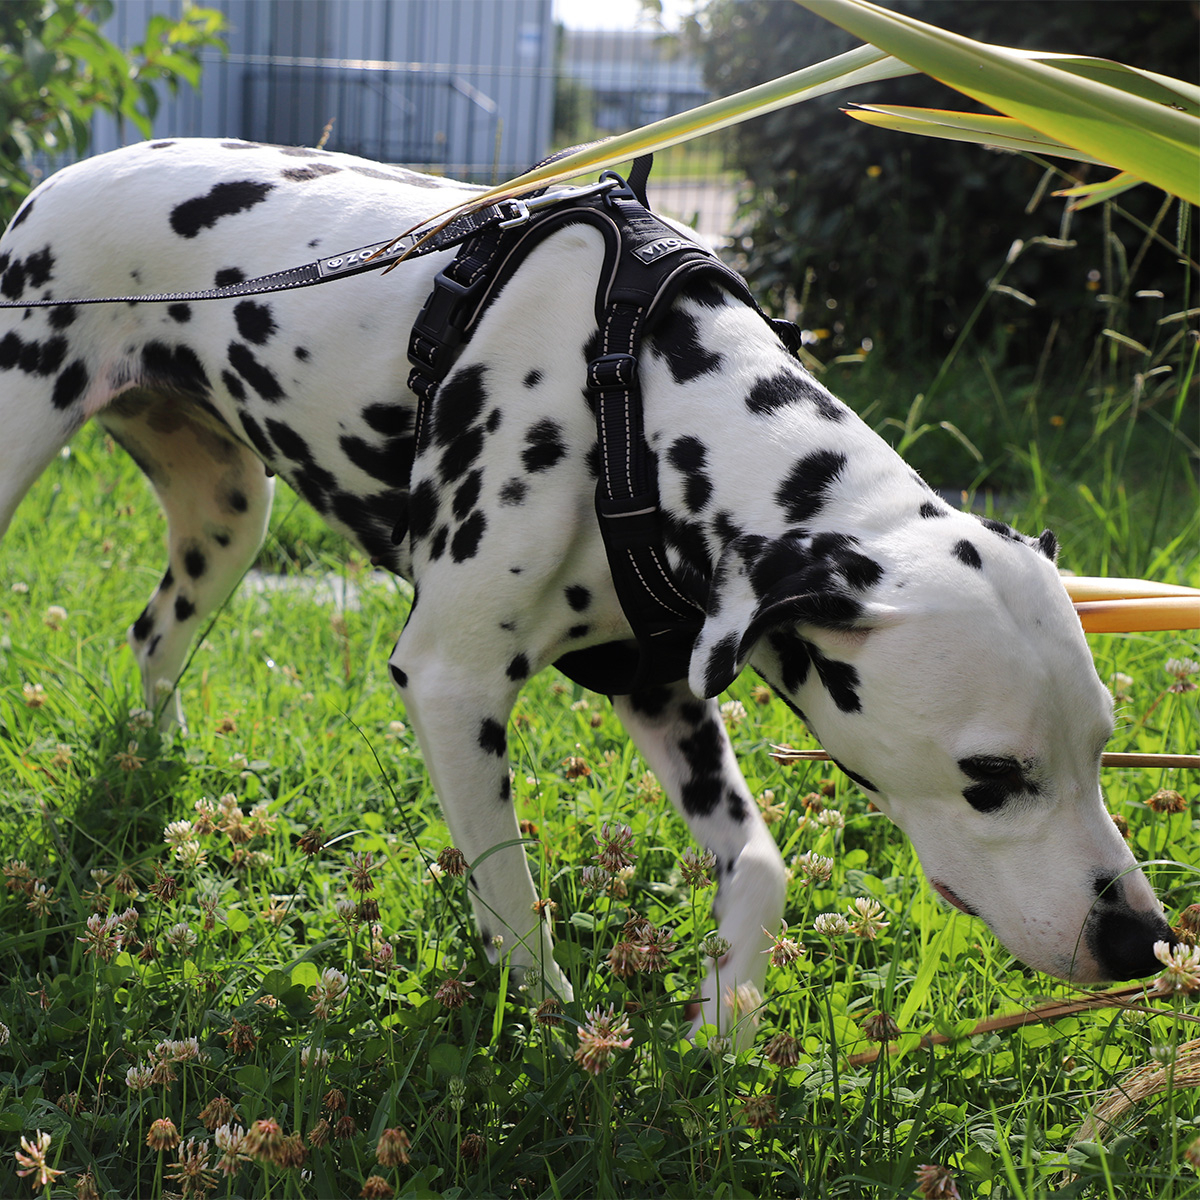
945, 671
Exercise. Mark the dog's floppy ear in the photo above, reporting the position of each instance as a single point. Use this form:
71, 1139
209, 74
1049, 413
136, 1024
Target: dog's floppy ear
762, 583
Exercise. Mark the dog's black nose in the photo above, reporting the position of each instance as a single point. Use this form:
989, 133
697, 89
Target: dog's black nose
1122, 942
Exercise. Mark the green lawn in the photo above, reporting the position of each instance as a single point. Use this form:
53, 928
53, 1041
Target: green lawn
294, 726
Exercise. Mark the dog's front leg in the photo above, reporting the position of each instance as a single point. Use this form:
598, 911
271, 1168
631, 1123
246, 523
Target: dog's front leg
460, 723
684, 742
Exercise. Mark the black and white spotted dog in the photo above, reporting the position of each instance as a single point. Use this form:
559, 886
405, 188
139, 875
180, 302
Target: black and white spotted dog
937, 657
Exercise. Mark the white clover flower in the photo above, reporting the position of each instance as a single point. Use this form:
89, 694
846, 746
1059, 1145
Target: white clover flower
733, 712
311, 1056
190, 854
814, 868
139, 1078
178, 832
831, 818
831, 925
1182, 972
181, 937
140, 718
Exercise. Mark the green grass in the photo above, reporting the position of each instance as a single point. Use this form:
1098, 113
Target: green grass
291, 710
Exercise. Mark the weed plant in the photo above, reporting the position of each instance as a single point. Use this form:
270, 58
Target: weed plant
241, 962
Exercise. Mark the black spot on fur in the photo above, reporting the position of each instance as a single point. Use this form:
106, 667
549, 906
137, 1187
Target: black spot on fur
461, 455
437, 547
228, 276
999, 527
143, 625
302, 354
222, 537
22, 216
390, 463
688, 454
794, 658
236, 501
174, 367
775, 392
578, 631
183, 608
40, 267
313, 171
933, 509
513, 493
392, 420
677, 341
288, 441
839, 679
968, 555
261, 379
13, 282
997, 781
544, 446
466, 495
492, 738
254, 321
422, 509
254, 432
233, 385
802, 493
532, 379
721, 665
493, 421
182, 313
63, 316
70, 385
460, 400
724, 527
223, 200
161, 145
398, 676
194, 562
519, 668
465, 543
578, 597
862, 781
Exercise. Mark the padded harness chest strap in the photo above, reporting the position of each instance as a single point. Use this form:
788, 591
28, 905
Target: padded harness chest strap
646, 263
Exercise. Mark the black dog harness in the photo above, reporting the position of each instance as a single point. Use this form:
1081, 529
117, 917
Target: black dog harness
646, 264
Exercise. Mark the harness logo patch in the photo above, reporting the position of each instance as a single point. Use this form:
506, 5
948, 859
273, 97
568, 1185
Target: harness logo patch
660, 246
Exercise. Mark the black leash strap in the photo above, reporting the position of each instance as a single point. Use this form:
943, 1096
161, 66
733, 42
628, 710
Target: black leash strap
337, 266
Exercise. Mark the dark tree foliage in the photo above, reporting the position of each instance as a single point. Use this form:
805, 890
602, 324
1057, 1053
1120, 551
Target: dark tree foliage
894, 237
57, 70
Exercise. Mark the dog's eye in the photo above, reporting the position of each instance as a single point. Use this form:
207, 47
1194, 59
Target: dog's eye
997, 780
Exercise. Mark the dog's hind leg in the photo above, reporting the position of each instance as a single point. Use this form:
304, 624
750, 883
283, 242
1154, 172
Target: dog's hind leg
216, 495
684, 742
459, 712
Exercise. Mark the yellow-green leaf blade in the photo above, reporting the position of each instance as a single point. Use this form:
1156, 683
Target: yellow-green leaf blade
1150, 140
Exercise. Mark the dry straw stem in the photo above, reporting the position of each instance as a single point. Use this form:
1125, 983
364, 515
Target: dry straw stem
786, 756
1052, 1010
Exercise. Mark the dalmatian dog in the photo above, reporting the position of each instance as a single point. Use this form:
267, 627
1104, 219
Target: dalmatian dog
936, 656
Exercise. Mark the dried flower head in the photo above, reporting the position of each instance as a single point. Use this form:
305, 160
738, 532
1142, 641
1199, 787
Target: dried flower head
1189, 919
453, 862
782, 1050
783, 950
240, 1037
162, 1135
603, 1033
653, 949
697, 869
361, 866
393, 1146
576, 767
216, 1113
375, 1187
128, 759
320, 1133
1168, 801
453, 992
312, 841
616, 842
548, 1012
936, 1182
34, 695
623, 959
596, 879
772, 812
32, 1160
758, 1112
263, 1140
881, 1027
334, 1100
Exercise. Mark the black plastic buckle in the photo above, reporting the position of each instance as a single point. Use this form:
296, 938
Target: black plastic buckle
611, 372
630, 523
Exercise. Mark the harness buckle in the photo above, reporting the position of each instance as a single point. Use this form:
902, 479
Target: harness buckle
611, 373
